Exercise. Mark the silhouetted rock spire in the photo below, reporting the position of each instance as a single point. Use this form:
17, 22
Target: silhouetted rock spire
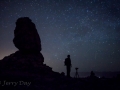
28, 57
26, 37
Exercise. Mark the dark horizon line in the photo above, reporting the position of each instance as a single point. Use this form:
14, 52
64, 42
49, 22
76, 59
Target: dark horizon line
97, 71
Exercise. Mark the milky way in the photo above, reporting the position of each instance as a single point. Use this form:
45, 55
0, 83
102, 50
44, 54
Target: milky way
88, 30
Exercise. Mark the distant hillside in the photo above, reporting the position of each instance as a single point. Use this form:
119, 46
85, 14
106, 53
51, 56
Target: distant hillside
98, 74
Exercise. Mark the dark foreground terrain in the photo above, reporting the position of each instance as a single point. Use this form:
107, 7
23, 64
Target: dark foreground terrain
55, 82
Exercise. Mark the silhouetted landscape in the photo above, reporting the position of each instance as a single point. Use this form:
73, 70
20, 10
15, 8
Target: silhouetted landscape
98, 74
25, 69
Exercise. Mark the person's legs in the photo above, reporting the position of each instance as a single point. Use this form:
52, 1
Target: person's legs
68, 71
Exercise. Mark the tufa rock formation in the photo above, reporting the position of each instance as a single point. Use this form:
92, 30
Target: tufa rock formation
28, 58
26, 37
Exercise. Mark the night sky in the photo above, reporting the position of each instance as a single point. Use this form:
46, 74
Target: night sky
88, 30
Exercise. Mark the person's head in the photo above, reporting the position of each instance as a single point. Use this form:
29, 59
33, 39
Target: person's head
68, 56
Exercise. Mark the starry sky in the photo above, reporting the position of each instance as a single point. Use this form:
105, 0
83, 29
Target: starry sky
88, 30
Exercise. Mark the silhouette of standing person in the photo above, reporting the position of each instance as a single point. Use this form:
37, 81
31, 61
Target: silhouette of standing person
68, 65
